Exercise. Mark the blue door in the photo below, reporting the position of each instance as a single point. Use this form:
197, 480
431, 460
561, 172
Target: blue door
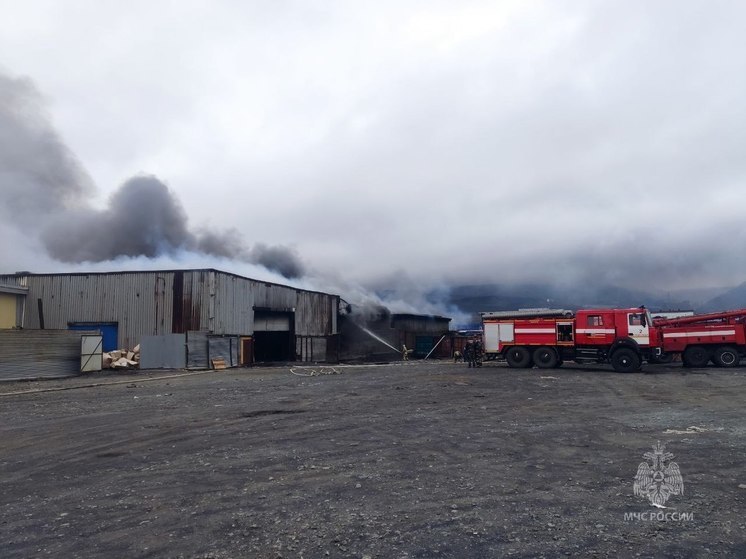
109, 331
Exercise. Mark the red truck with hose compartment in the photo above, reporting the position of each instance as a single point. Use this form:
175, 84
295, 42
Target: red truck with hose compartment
718, 337
623, 337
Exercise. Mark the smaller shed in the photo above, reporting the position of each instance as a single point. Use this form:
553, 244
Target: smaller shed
423, 334
378, 335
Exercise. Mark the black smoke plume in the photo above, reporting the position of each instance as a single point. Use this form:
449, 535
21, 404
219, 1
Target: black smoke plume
43, 183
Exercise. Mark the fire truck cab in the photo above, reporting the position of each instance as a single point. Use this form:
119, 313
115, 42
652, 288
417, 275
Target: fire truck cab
623, 337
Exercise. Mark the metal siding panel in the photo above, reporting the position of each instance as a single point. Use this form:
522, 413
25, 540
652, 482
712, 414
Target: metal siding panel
424, 325
313, 316
14, 280
142, 303
271, 322
276, 297
234, 302
194, 300
319, 349
30, 354
221, 347
163, 352
235, 352
197, 350
138, 302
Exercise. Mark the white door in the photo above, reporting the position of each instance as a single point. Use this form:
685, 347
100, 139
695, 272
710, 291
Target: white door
638, 328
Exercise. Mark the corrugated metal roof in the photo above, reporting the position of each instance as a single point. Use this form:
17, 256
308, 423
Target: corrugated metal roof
13, 289
4, 277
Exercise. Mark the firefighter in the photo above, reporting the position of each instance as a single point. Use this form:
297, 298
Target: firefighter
469, 353
478, 353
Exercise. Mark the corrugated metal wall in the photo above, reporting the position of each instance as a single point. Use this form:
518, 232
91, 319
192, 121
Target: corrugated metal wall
157, 303
423, 324
167, 351
312, 348
30, 354
196, 350
314, 315
233, 303
223, 347
235, 299
137, 302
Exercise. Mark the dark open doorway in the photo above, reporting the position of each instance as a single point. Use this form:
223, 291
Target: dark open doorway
272, 346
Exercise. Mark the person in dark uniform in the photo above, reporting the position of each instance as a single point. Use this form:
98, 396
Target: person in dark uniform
478, 353
469, 353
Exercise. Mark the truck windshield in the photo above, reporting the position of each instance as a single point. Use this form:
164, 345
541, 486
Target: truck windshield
649, 318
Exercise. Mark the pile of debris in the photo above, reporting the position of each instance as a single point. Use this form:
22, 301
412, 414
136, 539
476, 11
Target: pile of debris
122, 358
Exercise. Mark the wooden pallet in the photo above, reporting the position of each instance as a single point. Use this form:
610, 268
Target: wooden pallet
219, 363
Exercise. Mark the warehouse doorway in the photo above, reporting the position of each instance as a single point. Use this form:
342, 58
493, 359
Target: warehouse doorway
274, 338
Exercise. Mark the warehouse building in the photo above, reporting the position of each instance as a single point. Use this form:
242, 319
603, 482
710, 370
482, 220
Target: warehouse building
206, 311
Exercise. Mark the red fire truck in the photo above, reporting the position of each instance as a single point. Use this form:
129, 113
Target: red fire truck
623, 337
699, 339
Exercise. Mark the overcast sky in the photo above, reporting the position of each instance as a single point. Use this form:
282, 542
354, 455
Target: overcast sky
394, 142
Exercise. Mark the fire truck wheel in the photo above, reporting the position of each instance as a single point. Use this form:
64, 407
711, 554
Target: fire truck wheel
545, 358
695, 356
726, 356
625, 360
518, 358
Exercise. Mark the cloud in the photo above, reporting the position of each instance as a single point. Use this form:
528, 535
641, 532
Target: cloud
47, 192
442, 143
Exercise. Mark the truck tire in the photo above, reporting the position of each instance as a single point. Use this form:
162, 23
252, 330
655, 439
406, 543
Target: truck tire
625, 360
518, 357
695, 356
726, 356
545, 357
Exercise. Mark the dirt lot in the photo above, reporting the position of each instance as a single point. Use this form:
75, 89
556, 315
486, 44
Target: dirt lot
420, 459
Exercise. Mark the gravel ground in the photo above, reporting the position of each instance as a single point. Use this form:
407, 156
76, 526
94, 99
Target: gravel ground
417, 459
